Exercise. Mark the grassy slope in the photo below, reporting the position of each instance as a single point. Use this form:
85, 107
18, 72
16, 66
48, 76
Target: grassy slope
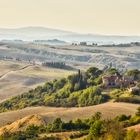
20, 81
135, 128
108, 110
61, 135
22, 124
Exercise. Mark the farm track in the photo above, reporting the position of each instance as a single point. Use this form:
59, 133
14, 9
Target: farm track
23, 68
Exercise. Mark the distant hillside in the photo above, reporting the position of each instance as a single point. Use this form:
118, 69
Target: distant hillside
100, 39
42, 33
31, 33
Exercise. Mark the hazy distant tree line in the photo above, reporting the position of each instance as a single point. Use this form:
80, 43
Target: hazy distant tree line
60, 65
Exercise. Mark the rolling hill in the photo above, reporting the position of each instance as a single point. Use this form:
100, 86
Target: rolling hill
17, 78
22, 124
108, 110
43, 33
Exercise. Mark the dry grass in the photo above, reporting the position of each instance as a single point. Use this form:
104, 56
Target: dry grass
108, 110
22, 124
61, 135
14, 80
39, 71
7, 66
135, 128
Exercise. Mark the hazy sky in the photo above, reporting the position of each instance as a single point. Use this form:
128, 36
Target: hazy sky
93, 16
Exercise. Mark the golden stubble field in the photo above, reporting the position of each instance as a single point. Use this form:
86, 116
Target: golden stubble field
108, 110
17, 78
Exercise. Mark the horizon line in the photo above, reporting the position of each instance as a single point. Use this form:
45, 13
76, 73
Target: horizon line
65, 30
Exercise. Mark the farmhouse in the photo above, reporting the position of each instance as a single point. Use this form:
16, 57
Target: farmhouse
117, 81
110, 80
